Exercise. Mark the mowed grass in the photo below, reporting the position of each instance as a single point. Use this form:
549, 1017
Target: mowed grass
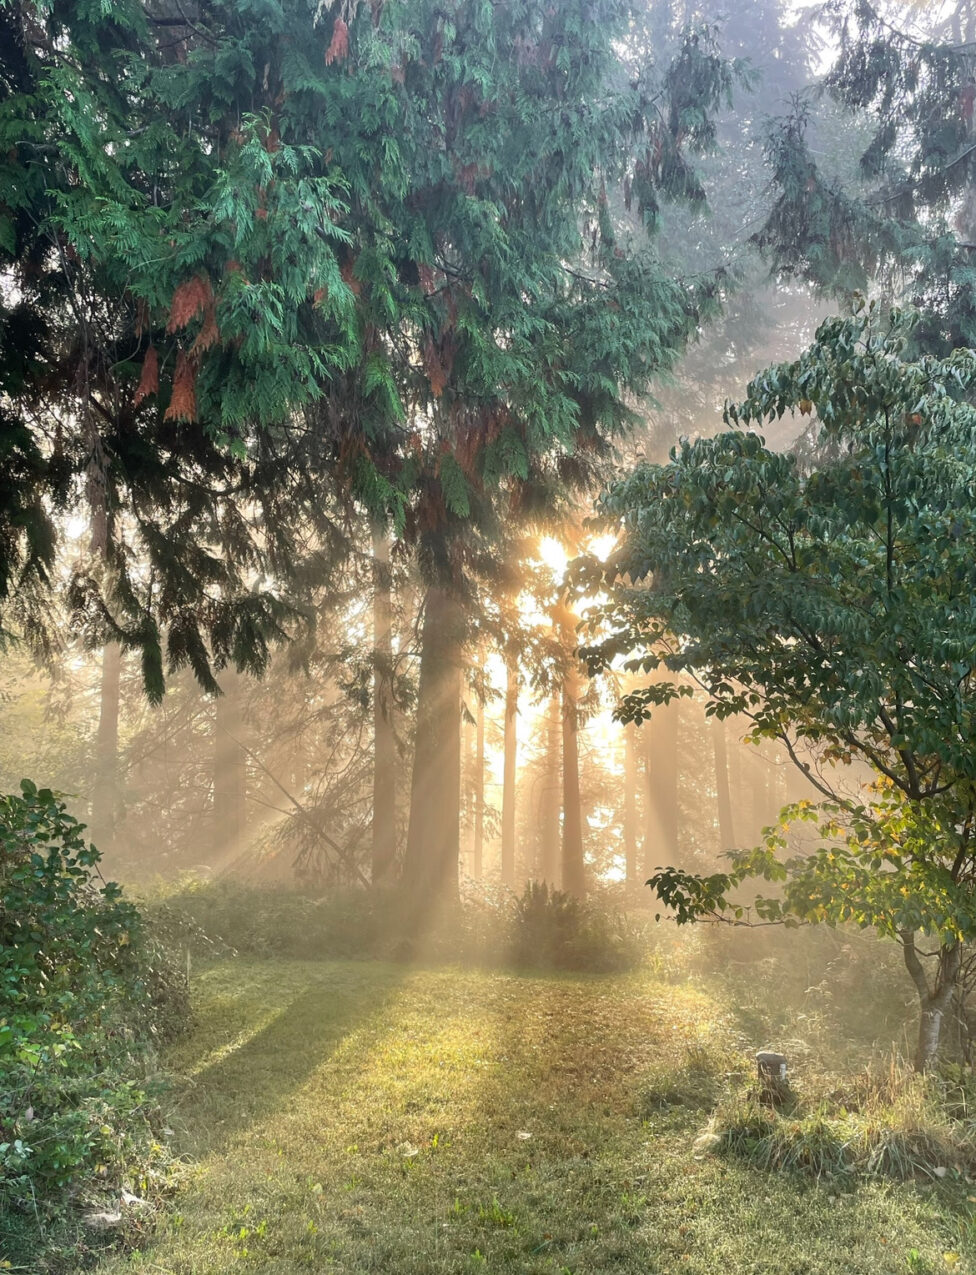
358, 1117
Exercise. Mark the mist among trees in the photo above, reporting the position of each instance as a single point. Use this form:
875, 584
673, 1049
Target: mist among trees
486, 521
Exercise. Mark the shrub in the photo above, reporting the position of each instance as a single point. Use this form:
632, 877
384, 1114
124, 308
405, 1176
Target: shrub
83, 992
541, 929
820, 993
214, 918
552, 930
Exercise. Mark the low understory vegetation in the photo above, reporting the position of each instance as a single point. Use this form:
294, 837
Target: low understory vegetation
833, 1003
86, 998
886, 1121
896, 1123
541, 928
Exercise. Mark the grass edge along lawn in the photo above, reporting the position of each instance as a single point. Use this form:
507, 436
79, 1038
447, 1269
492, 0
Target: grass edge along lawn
361, 1117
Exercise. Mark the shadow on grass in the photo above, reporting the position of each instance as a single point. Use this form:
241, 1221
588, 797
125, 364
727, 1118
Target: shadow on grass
249, 1074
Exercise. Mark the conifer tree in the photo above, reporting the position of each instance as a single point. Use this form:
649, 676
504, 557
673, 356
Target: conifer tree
277, 266
260, 249
904, 222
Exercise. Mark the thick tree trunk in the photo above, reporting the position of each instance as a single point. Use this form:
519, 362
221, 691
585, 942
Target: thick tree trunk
430, 865
105, 792
630, 805
726, 834
573, 864
384, 742
935, 996
660, 736
230, 768
547, 862
509, 769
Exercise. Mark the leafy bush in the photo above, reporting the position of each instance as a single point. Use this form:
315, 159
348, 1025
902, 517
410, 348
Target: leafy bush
819, 993
83, 993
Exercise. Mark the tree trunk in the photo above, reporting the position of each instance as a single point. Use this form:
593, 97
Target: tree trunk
573, 868
726, 835
661, 776
934, 998
384, 742
547, 862
509, 769
430, 865
296, 770
230, 768
479, 793
760, 801
630, 805
105, 792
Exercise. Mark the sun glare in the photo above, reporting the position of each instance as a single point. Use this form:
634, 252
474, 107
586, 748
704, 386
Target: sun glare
554, 555
602, 546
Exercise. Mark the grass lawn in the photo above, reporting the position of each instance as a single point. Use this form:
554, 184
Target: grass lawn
354, 1117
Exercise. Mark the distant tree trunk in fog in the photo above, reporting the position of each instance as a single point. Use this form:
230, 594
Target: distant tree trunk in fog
963, 21
779, 783
726, 833
759, 791
573, 867
660, 738
963, 25
509, 768
230, 767
547, 863
105, 791
430, 864
296, 771
739, 759
630, 804
384, 741
479, 793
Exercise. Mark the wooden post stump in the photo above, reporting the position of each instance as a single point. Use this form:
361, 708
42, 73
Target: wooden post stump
774, 1087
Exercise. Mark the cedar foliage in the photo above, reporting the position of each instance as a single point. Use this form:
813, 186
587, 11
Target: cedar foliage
278, 210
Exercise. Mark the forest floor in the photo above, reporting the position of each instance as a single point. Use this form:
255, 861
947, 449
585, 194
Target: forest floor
359, 1117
